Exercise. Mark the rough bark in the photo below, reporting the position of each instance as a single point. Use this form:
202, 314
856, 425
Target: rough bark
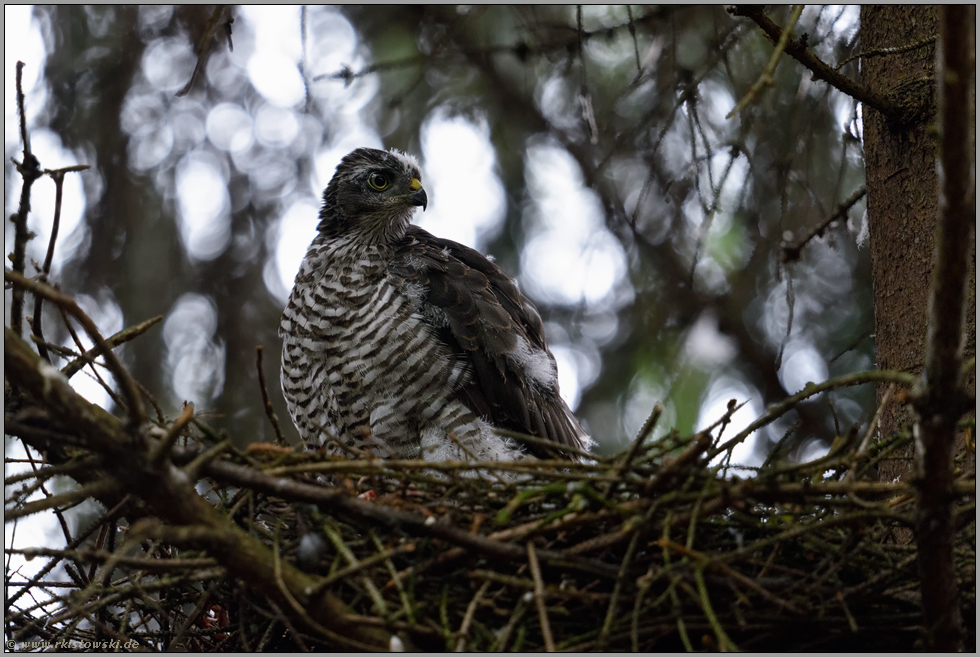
900, 160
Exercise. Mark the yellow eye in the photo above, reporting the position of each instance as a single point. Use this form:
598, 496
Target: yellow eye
378, 181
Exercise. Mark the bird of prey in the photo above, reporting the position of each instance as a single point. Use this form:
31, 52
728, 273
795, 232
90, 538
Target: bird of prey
407, 345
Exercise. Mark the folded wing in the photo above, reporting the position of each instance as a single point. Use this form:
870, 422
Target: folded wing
494, 332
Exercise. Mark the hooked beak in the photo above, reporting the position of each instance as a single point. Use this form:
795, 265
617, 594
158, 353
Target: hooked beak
417, 197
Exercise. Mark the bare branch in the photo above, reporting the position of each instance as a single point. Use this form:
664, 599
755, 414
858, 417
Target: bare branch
266, 403
937, 399
766, 79
796, 48
66, 303
204, 44
30, 170
791, 252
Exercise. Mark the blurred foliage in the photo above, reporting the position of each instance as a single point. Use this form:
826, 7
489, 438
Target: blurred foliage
635, 96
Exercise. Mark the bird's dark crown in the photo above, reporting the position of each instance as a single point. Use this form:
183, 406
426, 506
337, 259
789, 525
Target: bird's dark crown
372, 196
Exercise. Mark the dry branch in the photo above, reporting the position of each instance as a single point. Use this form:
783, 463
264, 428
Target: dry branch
938, 398
797, 49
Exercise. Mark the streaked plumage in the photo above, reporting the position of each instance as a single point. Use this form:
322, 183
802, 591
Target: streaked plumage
397, 341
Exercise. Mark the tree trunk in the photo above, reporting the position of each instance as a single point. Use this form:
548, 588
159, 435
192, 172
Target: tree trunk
900, 161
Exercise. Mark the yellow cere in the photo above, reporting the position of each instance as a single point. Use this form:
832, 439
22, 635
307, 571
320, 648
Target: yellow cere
415, 185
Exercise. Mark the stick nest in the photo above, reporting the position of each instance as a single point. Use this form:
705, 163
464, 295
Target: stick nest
667, 547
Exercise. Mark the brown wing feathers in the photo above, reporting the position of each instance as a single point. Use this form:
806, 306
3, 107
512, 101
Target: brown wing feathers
479, 312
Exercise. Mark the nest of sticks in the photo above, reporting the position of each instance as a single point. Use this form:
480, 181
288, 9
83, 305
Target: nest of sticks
199, 546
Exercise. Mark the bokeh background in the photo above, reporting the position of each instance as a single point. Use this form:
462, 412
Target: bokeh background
586, 148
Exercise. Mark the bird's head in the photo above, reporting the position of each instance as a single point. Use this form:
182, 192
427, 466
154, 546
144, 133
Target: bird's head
372, 196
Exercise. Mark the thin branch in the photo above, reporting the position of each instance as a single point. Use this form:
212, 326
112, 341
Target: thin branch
30, 170
204, 45
791, 252
266, 403
59, 184
644, 433
464, 627
766, 79
937, 399
797, 49
878, 52
66, 303
811, 389
113, 341
539, 594
636, 46
102, 556
71, 498
410, 523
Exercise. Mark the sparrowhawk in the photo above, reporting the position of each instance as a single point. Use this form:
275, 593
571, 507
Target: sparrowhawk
409, 345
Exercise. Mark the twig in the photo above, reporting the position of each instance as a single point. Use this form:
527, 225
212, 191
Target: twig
636, 45
464, 627
641, 437
71, 498
125, 381
648, 426
525, 584
352, 561
40, 484
797, 50
163, 448
30, 170
106, 517
791, 252
672, 466
937, 398
367, 562
395, 577
66, 319
878, 52
101, 556
501, 642
532, 559
293, 602
266, 403
777, 410
204, 45
724, 642
617, 589
541, 467
59, 184
790, 314
866, 441
113, 341
766, 79
48, 471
